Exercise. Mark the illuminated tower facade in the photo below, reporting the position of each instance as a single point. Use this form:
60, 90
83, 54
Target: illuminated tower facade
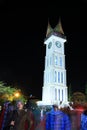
54, 83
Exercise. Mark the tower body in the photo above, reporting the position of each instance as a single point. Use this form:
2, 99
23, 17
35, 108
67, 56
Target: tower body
54, 82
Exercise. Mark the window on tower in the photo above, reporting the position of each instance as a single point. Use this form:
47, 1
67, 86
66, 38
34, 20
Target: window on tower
61, 77
58, 77
62, 95
59, 94
60, 61
56, 60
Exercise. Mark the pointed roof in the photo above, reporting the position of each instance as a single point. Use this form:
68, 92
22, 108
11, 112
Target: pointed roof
56, 31
58, 27
49, 29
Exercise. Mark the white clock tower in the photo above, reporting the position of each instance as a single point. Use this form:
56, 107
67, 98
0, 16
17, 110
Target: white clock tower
54, 84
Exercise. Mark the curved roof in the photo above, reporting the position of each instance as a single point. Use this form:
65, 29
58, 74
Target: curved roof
58, 29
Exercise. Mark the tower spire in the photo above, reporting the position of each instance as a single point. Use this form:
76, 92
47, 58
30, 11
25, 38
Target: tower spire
59, 28
49, 29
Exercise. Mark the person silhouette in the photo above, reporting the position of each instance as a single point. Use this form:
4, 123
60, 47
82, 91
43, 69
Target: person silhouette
20, 118
57, 119
84, 120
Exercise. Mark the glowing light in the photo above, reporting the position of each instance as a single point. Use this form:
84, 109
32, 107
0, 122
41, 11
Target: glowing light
17, 94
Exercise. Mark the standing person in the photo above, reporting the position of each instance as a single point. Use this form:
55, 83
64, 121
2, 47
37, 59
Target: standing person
8, 116
2, 116
75, 116
21, 118
57, 120
84, 120
3, 119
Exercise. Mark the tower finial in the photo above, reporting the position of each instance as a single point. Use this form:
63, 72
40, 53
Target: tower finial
49, 29
58, 27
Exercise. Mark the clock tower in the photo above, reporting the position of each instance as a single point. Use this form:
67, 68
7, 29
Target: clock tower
54, 83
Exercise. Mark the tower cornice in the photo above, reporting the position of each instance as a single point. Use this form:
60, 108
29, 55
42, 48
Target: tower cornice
55, 34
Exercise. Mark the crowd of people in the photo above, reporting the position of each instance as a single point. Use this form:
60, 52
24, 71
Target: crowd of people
15, 118
20, 117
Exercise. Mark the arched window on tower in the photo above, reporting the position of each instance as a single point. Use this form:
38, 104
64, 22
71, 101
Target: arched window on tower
61, 77
59, 94
56, 60
58, 77
62, 94
61, 61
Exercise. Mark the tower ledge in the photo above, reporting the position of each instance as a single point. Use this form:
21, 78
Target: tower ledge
55, 34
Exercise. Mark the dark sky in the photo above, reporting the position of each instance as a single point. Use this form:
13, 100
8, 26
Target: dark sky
22, 51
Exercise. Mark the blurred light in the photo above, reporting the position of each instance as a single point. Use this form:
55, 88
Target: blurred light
17, 94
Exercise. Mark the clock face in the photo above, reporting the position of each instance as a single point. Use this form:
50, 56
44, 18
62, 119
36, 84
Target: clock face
58, 44
49, 45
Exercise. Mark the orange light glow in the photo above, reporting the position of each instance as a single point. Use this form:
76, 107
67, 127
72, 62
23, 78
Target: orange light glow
17, 94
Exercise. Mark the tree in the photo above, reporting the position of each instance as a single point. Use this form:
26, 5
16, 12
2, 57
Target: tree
10, 93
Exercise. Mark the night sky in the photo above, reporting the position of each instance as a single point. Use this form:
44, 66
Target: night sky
22, 51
